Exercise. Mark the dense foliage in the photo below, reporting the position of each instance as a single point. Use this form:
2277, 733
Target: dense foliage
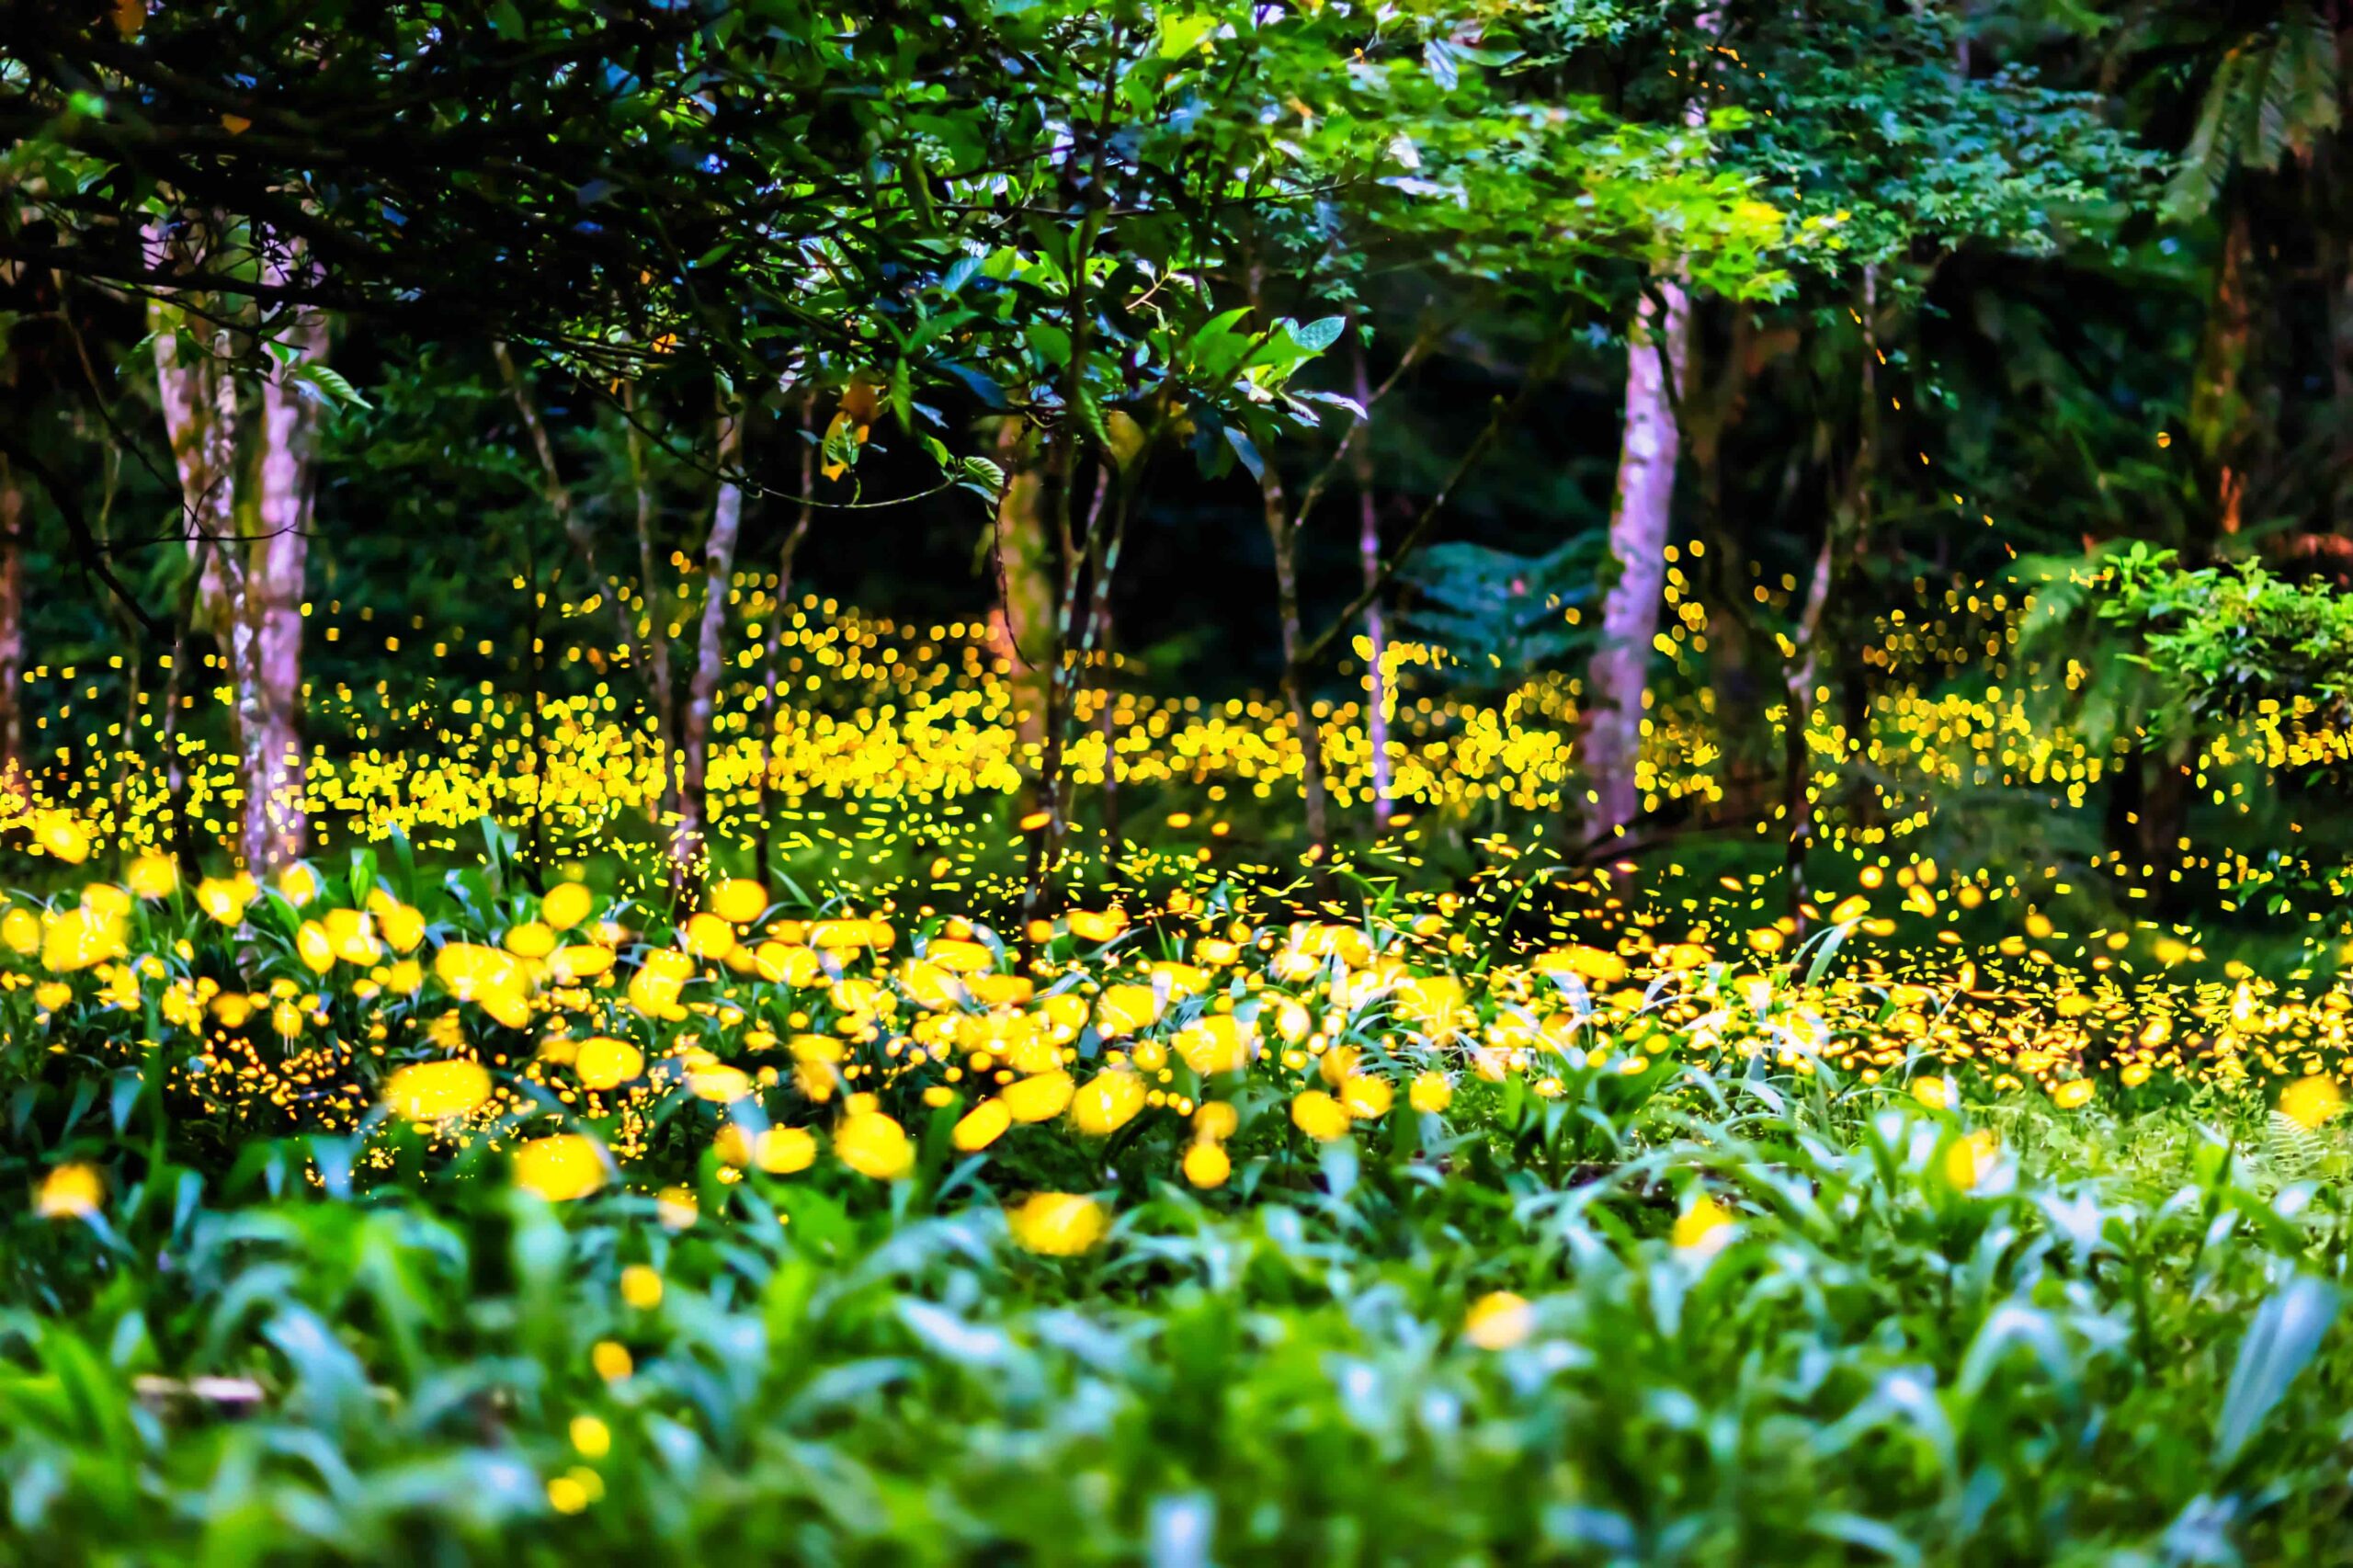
1612, 1253
1465, 781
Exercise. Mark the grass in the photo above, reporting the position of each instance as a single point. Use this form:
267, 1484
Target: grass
1639, 1251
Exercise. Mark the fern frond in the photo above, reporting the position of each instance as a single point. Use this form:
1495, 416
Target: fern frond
2296, 1152
2213, 149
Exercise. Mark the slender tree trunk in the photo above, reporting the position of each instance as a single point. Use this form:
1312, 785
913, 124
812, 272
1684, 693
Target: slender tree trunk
702, 691
1376, 630
2338, 257
578, 532
1640, 515
127, 630
1797, 754
248, 536
15, 784
1314, 795
1844, 543
174, 774
1087, 560
771, 715
1023, 626
1062, 477
200, 420
1708, 422
1102, 562
1107, 720
277, 825
559, 495
2219, 422
660, 685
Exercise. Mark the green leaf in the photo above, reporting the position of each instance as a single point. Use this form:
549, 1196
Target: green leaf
1052, 343
327, 384
2280, 1344
1318, 335
1247, 450
1439, 57
841, 445
982, 475
1182, 35
903, 400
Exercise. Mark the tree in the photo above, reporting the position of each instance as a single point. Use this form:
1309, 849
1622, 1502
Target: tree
1890, 155
244, 464
702, 686
1515, 185
1657, 361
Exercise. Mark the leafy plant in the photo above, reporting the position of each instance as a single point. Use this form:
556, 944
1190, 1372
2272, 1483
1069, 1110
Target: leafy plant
1494, 610
2225, 640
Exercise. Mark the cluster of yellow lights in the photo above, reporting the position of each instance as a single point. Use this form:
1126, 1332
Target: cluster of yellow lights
573, 1029
916, 725
584, 1033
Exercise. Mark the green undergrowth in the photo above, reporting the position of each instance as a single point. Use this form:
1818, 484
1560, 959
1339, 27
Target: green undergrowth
1920, 1338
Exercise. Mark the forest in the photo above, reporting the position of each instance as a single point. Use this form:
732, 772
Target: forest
1176, 781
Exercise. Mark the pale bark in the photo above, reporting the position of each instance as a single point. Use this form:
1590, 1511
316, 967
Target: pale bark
14, 785
1641, 514
1376, 630
1283, 535
702, 689
1023, 626
174, 682
1096, 646
247, 527
1080, 552
660, 684
1638, 520
270, 706
771, 714
199, 419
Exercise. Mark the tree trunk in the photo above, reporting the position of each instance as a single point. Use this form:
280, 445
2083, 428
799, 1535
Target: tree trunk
1023, 626
1088, 560
15, 784
1797, 754
1844, 542
559, 495
200, 420
660, 685
2338, 257
1641, 512
1376, 630
175, 680
1107, 720
276, 825
2219, 422
1315, 795
1638, 518
702, 691
771, 715
248, 536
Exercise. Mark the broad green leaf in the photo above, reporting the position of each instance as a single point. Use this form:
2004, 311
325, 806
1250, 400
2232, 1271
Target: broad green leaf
2280, 1344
